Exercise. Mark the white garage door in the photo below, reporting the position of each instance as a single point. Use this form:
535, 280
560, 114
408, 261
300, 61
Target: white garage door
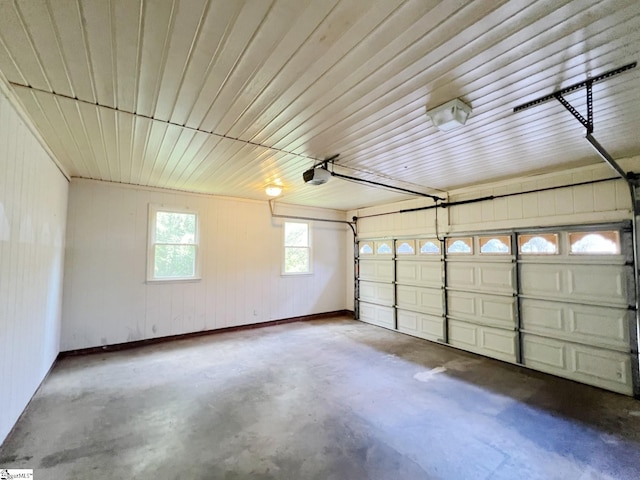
419, 293
376, 291
559, 301
576, 293
481, 295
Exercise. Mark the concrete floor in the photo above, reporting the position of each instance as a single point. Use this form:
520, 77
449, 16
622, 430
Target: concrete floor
331, 399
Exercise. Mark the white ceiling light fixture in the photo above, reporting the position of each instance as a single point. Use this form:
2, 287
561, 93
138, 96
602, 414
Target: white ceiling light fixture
451, 115
273, 190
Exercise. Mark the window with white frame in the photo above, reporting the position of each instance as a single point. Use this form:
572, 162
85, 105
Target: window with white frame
297, 248
173, 244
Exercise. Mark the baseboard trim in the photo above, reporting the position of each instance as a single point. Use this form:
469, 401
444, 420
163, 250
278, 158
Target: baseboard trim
151, 341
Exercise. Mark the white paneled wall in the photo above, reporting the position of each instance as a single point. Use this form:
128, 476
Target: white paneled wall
603, 201
107, 300
33, 206
588, 203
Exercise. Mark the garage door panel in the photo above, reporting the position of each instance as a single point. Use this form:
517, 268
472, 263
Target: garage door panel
599, 363
376, 270
484, 309
539, 351
419, 299
541, 316
463, 335
604, 283
541, 280
496, 277
421, 325
593, 284
600, 324
502, 343
379, 293
489, 341
428, 274
461, 275
377, 315
488, 277
594, 366
592, 325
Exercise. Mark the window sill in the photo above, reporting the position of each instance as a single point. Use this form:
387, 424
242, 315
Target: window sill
159, 281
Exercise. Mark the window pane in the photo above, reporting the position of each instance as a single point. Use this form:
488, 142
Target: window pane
174, 261
429, 247
499, 244
601, 243
296, 234
542, 244
459, 245
296, 260
405, 247
366, 248
383, 248
174, 227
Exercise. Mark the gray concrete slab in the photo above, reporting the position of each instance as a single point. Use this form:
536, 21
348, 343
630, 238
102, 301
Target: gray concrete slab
330, 399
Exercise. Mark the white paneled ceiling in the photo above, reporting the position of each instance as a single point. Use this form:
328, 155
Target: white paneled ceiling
226, 96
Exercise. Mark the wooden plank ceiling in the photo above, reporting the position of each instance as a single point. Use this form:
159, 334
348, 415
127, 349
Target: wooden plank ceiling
226, 96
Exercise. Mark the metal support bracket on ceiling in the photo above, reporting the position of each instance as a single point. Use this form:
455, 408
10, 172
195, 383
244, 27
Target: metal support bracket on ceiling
576, 86
587, 123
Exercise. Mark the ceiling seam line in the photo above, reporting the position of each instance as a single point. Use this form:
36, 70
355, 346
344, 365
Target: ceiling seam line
87, 51
185, 67
234, 68
30, 41
214, 58
167, 122
58, 40
285, 65
162, 64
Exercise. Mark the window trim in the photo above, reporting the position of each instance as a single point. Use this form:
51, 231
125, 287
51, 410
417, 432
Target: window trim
423, 241
362, 244
483, 240
309, 247
151, 244
611, 235
388, 243
467, 240
411, 243
525, 237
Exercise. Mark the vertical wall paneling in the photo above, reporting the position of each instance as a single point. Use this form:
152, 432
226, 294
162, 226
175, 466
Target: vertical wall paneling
108, 300
33, 207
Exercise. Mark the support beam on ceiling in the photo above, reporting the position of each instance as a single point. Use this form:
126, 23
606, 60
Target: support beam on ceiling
575, 86
587, 123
